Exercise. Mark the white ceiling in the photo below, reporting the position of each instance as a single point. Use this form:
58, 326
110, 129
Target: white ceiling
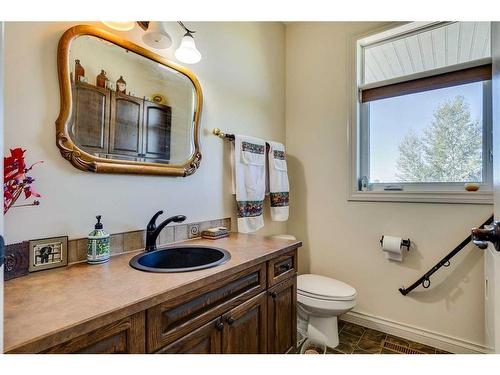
450, 44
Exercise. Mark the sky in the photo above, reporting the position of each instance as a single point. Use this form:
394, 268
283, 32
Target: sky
391, 119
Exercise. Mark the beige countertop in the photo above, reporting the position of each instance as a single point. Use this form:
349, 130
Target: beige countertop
63, 303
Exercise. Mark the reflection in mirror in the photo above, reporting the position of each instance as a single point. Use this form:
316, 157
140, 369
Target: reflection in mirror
128, 107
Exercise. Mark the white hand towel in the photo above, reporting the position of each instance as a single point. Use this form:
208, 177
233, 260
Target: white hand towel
278, 182
250, 181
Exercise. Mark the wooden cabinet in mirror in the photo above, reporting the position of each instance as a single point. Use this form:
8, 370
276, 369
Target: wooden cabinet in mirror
125, 109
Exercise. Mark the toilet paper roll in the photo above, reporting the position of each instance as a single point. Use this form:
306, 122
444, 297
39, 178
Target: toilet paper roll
392, 248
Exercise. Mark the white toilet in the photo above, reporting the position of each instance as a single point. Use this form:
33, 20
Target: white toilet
320, 300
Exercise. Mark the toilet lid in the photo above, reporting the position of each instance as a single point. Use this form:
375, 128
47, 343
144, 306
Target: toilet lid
324, 288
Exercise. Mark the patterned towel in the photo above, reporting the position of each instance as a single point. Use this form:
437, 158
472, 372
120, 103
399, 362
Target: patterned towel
278, 182
250, 181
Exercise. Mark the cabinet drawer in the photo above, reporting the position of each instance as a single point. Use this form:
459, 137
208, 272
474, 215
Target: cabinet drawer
282, 268
123, 336
203, 340
175, 318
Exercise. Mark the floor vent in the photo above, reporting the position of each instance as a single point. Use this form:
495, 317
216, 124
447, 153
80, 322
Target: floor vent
400, 348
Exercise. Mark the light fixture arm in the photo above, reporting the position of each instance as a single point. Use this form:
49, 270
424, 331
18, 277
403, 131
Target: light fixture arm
143, 25
185, 28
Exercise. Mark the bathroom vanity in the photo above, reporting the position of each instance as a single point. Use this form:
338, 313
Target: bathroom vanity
247, 305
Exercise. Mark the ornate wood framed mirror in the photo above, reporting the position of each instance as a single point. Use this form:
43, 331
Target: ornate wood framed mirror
125, 109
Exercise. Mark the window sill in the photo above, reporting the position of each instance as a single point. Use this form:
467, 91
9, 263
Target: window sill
458, 197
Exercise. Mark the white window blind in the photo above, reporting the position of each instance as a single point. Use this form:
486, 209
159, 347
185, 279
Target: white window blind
429, 50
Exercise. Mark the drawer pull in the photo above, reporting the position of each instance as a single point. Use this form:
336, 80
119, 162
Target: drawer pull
229, 320
285, 267
219, 325
273, 295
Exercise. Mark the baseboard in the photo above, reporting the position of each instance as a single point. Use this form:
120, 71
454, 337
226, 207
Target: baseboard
436, 340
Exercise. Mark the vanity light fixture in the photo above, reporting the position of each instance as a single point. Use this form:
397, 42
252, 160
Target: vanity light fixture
120, 26
156, 36
187, 52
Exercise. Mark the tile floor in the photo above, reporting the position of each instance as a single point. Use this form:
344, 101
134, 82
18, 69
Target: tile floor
355, 339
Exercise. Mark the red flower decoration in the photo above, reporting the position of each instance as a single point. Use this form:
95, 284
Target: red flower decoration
16, 180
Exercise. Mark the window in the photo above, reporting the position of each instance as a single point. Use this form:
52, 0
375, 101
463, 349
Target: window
422, 126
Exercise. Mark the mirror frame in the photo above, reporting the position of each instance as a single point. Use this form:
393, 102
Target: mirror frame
90, 163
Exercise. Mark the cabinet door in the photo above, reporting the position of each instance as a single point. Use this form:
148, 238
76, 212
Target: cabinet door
204, 340
245, 328
177, 317
126, 125
124, 336
282, 317
157, 126
90, 128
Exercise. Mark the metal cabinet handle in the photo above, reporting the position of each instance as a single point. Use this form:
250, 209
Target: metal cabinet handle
273, 295
229, 320
219, 325
285, 267
490, 233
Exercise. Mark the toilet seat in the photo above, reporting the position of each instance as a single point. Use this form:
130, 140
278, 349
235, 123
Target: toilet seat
324, 288
325, 298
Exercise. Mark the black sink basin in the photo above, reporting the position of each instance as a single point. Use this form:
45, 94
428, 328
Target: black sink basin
180, 259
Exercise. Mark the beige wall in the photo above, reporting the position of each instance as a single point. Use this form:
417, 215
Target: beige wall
242, 77
341, 239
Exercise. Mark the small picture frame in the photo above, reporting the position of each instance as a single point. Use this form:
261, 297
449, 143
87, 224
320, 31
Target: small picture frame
47, 253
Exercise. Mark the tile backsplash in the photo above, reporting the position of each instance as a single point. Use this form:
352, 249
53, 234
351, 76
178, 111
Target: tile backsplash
18, 254
136, 240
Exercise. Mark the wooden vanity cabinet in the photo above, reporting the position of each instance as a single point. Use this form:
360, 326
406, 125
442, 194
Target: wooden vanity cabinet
247, 312
267, 323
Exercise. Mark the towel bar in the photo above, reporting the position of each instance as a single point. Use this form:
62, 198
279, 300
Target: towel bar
220, 134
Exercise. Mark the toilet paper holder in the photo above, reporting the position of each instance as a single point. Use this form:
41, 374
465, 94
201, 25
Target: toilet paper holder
404, 243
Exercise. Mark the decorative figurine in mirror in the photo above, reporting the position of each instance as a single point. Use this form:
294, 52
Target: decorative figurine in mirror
79, 71
118, 128
121, 85
101, 79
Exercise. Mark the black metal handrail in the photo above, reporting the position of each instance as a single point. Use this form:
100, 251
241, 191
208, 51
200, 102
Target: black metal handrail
445, 262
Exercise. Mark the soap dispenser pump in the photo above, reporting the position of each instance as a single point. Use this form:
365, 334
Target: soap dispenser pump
98, 244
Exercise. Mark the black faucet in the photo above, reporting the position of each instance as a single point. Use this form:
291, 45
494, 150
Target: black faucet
153, 231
